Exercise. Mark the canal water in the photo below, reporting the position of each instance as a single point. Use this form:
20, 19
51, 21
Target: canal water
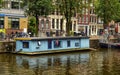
101, 62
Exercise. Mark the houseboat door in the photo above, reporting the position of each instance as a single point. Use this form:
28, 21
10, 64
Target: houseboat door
49, 44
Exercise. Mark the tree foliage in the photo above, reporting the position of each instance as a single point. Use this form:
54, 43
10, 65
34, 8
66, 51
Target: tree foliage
38, 8
69, 8
32, 23
66, 7
108, 10
1, 3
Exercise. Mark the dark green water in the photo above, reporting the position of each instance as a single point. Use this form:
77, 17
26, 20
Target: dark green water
102, 62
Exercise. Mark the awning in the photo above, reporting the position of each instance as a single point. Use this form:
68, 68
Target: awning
2, 15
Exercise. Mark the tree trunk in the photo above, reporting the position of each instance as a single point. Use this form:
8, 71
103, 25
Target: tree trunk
36, 26
68, 28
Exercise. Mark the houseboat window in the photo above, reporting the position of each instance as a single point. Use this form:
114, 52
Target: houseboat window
49, 44
25, 44
57, 44
76, 44
68, 43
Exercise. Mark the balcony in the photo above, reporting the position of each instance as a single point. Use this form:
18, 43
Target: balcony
12, 11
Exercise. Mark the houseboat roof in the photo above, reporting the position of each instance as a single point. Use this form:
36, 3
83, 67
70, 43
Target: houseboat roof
50, 38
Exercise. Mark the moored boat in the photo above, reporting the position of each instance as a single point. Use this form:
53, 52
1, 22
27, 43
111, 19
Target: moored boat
109, 45
105, 41
43, 45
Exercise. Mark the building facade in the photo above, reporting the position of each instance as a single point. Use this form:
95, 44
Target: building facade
95, 23
89, 23
56, 24
12, 17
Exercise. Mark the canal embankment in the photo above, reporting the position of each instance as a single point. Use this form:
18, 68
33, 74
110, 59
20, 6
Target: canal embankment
7, 46
94, 41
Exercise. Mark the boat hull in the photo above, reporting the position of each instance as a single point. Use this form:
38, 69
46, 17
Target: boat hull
109, 45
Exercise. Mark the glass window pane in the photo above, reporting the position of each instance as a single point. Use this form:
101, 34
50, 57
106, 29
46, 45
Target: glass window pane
15, 5
25, 44
68, 43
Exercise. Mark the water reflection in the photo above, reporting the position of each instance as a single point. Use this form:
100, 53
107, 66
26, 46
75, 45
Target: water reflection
102, 62
54, 64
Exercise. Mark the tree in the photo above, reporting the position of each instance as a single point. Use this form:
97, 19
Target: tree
32, 23
69, 8
108, 10
38, 8
1, 3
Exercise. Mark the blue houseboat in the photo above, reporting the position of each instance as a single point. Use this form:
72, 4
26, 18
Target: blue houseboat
42, 45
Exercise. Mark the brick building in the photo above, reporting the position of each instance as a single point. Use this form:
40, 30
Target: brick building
89, 23
12, 17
